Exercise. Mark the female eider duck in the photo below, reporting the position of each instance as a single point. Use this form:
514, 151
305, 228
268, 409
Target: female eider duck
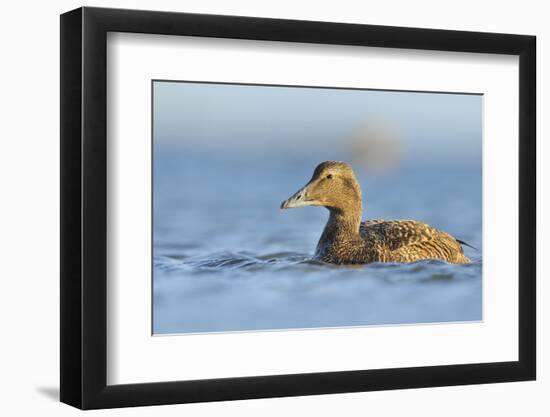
347, 240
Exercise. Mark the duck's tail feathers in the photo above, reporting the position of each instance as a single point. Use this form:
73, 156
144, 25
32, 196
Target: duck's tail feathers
467, 244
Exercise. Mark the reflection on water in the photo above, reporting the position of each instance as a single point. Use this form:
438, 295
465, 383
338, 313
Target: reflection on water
227, 259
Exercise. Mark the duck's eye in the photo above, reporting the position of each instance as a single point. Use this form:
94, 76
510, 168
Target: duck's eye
329, 177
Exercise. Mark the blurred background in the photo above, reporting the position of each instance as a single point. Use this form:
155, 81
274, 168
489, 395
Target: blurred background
225, 156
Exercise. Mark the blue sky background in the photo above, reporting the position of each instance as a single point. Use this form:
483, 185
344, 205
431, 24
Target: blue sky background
309, 121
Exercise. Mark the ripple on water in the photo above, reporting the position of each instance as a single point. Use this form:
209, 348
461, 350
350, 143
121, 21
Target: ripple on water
297, 264
225, 291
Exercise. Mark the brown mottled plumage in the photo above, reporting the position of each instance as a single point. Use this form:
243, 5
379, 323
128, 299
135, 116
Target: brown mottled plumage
345, 240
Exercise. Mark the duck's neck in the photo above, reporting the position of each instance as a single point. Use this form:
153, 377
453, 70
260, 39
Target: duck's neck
342, 225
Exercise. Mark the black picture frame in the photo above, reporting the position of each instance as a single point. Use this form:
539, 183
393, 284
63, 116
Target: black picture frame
84, 207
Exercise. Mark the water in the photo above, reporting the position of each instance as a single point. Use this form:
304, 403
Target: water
227, 259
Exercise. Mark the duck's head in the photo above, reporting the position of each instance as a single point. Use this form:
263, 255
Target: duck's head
333, 186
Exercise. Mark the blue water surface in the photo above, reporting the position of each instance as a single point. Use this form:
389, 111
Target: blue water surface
226, 258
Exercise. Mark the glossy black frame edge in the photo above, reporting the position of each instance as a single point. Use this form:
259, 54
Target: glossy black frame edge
83, 208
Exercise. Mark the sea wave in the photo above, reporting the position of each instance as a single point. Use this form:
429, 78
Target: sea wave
293, 262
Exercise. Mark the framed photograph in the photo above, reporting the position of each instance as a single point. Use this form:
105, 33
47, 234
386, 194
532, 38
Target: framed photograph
406, 155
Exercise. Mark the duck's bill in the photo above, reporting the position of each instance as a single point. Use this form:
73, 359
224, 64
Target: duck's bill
299, 199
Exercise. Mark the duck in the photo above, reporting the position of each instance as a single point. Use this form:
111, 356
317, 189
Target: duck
346, 239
